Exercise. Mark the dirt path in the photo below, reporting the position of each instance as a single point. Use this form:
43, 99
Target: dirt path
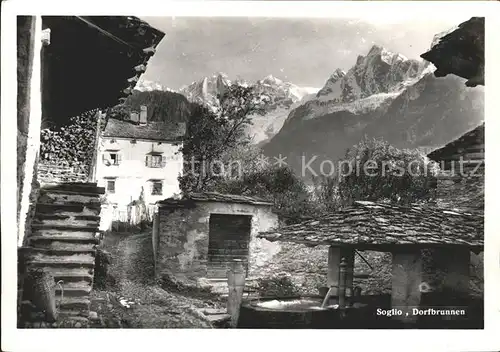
149, 306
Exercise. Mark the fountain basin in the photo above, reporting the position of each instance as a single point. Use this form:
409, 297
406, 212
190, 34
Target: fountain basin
302, 312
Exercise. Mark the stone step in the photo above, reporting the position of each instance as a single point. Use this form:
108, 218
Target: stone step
58, 263
46, 196
76, 187
74, 289
59, 252
73, 322
34, 256
73, 238
67, 222
73, 199
219, 318
70, 193
214, 311
64, 228
63, 313
71, 275
68, 217
66, 246
68, 208
74, 303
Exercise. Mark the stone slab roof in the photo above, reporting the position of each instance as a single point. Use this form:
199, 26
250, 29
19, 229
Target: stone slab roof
212, 197
462, 195
468, 142
158, 131
379, 226
461, 52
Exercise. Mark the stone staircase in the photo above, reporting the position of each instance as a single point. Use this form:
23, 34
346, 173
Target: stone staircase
63, 239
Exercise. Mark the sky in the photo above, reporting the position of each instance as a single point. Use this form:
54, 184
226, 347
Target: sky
302, 51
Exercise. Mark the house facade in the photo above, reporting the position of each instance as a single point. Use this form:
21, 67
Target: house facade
137, 160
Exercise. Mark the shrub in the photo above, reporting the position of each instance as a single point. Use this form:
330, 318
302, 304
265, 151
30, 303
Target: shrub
376, 171
279, 285
102, 278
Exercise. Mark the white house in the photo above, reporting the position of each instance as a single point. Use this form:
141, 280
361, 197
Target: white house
137, 157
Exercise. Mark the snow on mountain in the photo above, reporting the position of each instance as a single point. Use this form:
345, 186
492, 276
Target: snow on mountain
379, 72
384, 95
147, 86
283, 96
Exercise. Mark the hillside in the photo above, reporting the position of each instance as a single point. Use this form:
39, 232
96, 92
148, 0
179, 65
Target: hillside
162, 105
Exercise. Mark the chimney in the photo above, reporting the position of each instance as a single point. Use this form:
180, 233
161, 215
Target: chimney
143, 115
134, 116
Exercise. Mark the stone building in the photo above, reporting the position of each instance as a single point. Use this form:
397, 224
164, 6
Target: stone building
137, 158
66, 65
460, 182
196, 237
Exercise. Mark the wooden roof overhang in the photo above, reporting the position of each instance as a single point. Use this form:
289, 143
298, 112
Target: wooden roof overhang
461, 53
93, 62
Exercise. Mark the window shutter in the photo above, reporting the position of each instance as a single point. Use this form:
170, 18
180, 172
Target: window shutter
152, 187
148, 162
118, 159
163, 161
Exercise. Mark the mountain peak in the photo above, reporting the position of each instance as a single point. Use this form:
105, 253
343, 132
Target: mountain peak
270, 79
337, 74
380, 71
376, 49
221, 75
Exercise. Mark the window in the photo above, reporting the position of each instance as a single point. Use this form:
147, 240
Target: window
157, 188
111, 158
110, 187
155, 161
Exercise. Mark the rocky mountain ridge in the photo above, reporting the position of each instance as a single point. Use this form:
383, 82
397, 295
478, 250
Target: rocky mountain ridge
384, 95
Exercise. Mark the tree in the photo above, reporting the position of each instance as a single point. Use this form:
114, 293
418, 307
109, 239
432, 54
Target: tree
376, 171
325, 194
277, 184
212, 133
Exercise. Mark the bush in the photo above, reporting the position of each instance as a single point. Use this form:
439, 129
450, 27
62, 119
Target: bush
102, 278
279, 285
381, 172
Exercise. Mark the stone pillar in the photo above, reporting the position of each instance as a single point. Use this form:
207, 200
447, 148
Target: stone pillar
335, 254
448, 269
236, 283
454, 263
406, 279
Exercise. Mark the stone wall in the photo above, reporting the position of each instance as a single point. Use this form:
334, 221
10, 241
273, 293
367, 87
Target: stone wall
54, 172
25, 47
183, 236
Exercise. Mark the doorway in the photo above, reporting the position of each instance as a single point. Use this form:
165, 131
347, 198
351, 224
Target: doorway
228, 239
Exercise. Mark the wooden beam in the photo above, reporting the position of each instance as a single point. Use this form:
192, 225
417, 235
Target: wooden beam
236, 283
335, 255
